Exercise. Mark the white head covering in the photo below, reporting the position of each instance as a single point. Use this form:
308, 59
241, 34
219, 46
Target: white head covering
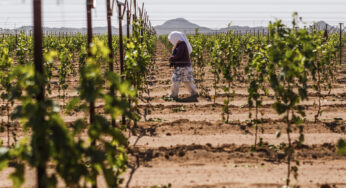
176, 36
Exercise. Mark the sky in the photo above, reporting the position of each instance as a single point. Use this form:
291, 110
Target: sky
214, 14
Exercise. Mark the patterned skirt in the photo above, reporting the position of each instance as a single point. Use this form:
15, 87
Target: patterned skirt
182, 74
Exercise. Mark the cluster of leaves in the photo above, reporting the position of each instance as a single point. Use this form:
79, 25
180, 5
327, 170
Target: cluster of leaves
256, 71
287, 59
106, 147
341, 147
23, 49
73, 157
216, 60
226, 57
165, 41
140, 51
6, 64
199, 61
223, 53
229, 68
322, 65
137, 58
283, 61
291, 59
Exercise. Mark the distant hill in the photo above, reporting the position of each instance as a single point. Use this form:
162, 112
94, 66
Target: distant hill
244, 29
182, 25
322, 25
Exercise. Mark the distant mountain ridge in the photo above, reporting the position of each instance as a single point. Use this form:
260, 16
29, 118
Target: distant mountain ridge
186, 26
183, 25
178, 24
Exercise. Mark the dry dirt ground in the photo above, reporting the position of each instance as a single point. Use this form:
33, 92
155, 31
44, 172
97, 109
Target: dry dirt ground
186, 143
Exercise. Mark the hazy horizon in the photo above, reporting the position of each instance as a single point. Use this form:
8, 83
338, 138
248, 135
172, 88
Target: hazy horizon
216, 15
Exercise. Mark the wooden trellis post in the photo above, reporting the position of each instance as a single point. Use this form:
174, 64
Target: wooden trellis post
128, 18
89, 6
110, 45
121, 11
41, 172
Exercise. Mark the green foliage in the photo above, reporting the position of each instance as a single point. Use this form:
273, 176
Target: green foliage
198, 42
165, 41
321, 54
256, 71
137, 59
282, 62
64, 69
6, 65
72, 156
229, 69
23, 49
49, 133
216, 60
108, 156
341, 146
140, 51
290, 54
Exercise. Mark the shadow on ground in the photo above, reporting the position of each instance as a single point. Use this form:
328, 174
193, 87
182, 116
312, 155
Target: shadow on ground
188, 100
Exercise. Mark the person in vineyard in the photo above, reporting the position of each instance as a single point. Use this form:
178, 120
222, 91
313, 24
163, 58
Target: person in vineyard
181, 62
